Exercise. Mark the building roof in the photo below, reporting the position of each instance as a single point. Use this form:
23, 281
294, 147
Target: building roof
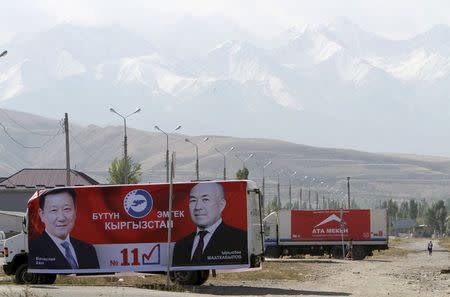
46, 178
12, 213
403, 224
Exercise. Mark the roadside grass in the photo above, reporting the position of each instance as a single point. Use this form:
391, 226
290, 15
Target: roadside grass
394, 248
132, 280
391, 252
270, 271
445, 243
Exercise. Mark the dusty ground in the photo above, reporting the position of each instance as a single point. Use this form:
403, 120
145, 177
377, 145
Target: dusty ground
412, 274
406, 270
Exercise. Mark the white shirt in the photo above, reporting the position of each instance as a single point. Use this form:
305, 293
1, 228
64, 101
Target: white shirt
211, 229
59, 242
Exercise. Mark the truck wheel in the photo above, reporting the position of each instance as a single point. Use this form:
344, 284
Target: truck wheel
184, 278
273, 252
202, 277
47, 279
23, 277
336, 252
358, 252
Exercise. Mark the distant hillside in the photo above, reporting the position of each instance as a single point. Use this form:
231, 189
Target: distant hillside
374, 177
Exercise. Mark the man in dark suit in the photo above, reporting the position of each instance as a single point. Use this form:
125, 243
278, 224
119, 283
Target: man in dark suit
214, 242
55, 248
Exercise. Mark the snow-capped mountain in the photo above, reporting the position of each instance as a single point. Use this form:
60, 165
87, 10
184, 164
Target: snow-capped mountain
329, 85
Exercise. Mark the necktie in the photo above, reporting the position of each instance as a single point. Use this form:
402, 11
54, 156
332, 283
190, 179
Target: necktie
199, 249
69, 255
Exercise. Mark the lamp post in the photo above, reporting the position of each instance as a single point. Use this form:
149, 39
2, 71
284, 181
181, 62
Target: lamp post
348, 191
278, 188
224, 160
290, 188
244, 160
196, 154
264, 183
125, 156
3, 54
167, 148
309, 192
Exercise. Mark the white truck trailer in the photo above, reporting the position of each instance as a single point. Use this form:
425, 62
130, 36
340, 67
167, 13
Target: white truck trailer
329, 231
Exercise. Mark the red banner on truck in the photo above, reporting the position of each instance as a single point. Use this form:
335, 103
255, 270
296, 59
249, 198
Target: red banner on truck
125, 227
330, 224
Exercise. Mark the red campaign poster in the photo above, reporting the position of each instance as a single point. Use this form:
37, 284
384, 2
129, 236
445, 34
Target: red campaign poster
124, 225
101, 209
326, 224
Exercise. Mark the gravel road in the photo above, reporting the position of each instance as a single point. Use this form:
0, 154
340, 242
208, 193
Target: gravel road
416, 274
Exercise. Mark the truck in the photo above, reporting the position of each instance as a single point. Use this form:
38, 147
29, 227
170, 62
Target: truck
328, 231
113, 229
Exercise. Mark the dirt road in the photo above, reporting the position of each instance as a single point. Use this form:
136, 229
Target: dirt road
415, 274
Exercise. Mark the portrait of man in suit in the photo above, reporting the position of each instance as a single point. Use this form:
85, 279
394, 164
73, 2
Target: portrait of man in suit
55, 248
214, 242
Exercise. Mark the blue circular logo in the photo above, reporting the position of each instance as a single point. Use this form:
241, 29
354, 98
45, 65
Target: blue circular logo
138, 203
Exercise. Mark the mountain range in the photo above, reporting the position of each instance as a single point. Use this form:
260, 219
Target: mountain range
332, 85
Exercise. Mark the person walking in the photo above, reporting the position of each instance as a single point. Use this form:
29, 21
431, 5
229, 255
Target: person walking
430, 248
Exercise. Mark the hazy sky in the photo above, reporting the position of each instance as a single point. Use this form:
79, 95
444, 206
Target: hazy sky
396, 19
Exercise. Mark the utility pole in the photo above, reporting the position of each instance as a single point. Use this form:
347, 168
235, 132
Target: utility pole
301, 202
309, 197
66, 131
125, 155
169, 229
348, 191
278, 193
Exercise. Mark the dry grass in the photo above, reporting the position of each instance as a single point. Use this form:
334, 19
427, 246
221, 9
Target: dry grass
445, 243
391, 252
394, 248
132, 280
271, 271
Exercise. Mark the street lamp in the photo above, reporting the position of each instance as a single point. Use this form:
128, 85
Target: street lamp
167, 148
290, 188
309, 191
278, 189
244, 160
224, 160
264, 183
196, 154
3, 53
125, 156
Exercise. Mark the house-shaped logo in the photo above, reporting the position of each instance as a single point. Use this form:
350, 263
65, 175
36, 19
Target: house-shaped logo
332, 218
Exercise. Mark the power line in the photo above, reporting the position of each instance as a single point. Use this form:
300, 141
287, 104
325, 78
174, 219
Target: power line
23, 127
28, 146
90, 156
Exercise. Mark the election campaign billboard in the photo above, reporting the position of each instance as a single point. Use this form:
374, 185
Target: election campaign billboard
96, 229
311, 225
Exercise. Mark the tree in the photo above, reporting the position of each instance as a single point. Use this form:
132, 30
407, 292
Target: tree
272, 206
404, 210
117, 171
436, 215
413, 209
242, 173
